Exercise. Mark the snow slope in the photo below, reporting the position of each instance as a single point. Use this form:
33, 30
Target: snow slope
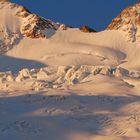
69, 47
58, 83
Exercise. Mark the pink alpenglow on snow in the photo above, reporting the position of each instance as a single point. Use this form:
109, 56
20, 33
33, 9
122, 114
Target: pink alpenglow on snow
62, 83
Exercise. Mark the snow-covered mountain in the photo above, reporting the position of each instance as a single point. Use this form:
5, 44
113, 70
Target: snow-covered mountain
61, 83
128, 21
25, 33
17, 22
27, 36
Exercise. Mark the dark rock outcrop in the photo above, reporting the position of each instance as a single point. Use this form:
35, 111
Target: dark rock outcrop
87, 29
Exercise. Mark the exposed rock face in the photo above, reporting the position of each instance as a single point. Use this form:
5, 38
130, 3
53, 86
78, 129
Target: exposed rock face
32, 25
86, 29
35, 26
129, 21
17, 21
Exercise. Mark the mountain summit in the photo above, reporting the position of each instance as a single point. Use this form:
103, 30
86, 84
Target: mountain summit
129, 21
17, 21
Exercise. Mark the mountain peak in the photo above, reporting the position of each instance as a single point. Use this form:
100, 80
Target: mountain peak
128, 21
17, 21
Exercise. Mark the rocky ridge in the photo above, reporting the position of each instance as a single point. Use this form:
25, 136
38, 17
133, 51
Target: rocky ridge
128, 21
33, 25
24, 24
